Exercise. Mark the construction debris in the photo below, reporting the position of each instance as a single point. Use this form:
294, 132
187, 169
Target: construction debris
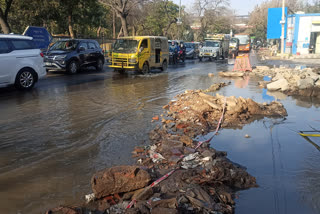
231, 74
291, 81
177, 173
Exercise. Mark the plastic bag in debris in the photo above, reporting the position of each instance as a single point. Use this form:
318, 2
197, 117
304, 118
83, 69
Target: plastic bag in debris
191, 157
156, 157
90, 197
191, 161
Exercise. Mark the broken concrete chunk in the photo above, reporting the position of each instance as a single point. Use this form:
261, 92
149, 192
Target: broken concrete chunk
281, 84
119, 179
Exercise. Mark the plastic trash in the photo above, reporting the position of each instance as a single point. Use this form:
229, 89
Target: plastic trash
90, 197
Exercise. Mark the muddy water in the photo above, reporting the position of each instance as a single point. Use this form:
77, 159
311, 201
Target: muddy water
53, 139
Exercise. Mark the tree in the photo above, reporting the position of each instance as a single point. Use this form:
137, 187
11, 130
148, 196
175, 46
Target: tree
259, 16
5, 6
206, 10
122, 8
161, 15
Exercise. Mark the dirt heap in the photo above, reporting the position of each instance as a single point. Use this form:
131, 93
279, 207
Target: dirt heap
297, 81
195, 111
216, 87
194, 178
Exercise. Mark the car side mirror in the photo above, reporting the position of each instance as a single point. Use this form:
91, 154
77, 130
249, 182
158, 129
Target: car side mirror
81, 49
141, 49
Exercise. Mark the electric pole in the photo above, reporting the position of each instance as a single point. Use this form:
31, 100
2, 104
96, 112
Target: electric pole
283, 21
179, 22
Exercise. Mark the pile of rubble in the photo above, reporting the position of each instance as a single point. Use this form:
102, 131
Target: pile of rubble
305, 82
194, 178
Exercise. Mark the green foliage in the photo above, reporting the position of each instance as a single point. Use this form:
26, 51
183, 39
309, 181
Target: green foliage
160, 16
87, 15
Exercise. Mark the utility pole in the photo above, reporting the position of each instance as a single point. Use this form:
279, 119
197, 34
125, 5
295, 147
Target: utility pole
179, 22
283, 21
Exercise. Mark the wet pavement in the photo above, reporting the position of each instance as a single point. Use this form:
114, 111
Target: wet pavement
56, 136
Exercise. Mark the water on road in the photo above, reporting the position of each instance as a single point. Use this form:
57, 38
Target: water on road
53, 138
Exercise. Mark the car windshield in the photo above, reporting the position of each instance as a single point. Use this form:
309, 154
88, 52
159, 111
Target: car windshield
125, 46
212, 44
65, 45
189, 45
233, 40
243, 40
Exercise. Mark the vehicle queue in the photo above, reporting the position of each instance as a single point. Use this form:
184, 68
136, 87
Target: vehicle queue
139, 53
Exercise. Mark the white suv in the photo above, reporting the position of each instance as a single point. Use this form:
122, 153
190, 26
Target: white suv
21, 63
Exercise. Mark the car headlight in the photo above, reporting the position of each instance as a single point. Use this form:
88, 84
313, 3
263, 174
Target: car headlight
59, 57
133, 60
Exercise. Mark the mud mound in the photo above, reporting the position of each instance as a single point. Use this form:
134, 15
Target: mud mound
197, 112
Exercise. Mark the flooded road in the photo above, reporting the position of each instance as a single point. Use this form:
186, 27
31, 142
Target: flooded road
55, 137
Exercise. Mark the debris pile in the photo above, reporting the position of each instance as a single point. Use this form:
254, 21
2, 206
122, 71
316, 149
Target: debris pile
176, 173
232, 74
216, 87
304, 82
195, 113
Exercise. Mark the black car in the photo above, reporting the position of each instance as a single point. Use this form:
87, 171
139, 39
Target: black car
72, 54
192, 50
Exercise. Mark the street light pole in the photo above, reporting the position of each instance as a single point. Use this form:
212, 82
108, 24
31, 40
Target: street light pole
282, 32
179, 20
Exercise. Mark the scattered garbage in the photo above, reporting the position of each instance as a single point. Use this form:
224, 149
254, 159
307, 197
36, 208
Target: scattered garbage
178, 174
90, 197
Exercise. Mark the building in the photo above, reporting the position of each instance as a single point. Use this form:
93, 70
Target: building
303, 34
302, 31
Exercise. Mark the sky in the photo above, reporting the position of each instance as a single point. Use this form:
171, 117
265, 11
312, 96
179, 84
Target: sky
242, 7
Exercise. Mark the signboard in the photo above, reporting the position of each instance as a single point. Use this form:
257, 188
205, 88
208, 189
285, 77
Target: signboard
40, 35
274, 26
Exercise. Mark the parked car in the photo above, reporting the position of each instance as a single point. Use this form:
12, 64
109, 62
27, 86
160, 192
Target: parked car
21, 63
72, 54
215, 47
192, 50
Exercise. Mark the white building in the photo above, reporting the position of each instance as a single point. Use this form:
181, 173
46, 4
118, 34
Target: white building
303, 34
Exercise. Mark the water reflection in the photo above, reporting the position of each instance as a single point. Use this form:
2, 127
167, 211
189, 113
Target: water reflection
266, 96
242, 82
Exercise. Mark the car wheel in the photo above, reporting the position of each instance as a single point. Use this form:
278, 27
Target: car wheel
145, 68
99, 65
73, 67
25, 79
164, 65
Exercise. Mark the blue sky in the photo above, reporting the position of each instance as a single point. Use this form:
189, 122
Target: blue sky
242, 7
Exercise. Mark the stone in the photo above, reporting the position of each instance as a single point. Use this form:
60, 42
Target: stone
281, 84
231, 74
143, 194
262, 67
166, 203
163, 210
119, 179
186, 140
305, 83
317, 83
278, 77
